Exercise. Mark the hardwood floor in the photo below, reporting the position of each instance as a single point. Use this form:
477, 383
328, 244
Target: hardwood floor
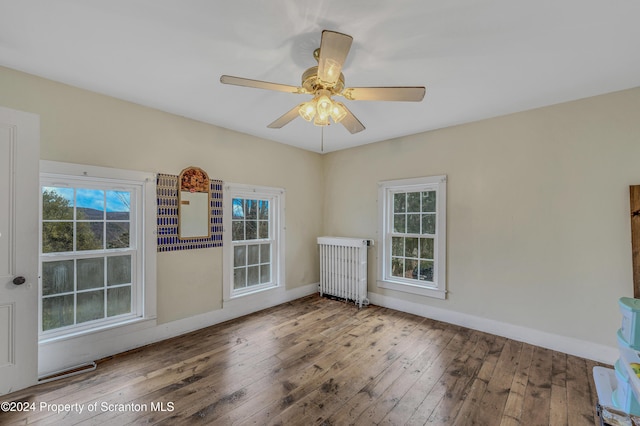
320, 361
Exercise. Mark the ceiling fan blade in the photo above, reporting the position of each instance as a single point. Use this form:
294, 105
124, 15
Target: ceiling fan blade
334, 49
286, 118
258, 84
408, 94
351, 123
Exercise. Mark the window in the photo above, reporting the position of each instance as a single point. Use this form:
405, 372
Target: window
94, 256
413, 227
253, 239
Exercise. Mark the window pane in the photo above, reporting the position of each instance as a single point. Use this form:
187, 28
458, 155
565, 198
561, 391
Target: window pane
118, 270
57, 237
118, 301
411, 247
411, 268
57, 312
90, 306
237, 230
237, 208
265, 274
251, 229
239, 256
89, 204
413, 223
251, 209
89, 235
265, 253
57, 277
429, 223
253, 257
117, 235
413, 202
263, 229
253, 275
397, 246
399, 223
399, 203
57, 203
429, 201
397, 267
264, 209
426, 248
426, 270
239, 278
118, 205
90, 273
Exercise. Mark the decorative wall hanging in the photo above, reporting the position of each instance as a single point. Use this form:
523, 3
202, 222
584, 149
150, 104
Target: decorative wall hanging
168, 218
194, 204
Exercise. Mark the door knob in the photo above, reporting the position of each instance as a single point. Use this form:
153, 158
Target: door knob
19, 280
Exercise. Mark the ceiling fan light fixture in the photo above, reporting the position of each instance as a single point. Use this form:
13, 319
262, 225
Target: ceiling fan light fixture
321, 120
324, 106
338, 112
320, 108
308, 110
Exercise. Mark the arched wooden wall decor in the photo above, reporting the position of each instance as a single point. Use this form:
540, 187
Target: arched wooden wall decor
194, 204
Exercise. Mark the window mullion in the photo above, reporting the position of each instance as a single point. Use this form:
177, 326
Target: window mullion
75, 291
104, 285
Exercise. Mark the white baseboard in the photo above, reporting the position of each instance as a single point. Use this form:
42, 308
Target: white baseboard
60, 355
56, 356
568, 345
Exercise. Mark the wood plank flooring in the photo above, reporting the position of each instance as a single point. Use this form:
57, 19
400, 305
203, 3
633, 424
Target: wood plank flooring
316, 361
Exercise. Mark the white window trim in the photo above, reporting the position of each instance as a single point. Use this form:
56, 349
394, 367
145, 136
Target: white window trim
277, 197
385, 280
147, 237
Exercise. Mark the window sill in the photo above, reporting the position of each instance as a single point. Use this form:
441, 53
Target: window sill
253, 292
413, 289
254, 298
105, 331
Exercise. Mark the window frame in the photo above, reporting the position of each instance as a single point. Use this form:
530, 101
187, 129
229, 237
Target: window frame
276, 198
143, 236
386, 191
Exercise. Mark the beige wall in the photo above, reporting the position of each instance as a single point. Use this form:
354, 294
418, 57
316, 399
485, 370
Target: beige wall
83, 127
538, 220
538, 211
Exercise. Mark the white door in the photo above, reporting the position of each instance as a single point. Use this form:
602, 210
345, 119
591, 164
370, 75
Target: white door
19, 157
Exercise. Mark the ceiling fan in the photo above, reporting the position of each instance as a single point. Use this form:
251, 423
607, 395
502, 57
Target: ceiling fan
326, 80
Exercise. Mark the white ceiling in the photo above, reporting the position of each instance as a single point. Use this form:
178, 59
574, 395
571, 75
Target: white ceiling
478, 59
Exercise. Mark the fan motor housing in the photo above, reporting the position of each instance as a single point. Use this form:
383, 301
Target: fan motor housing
311, 83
